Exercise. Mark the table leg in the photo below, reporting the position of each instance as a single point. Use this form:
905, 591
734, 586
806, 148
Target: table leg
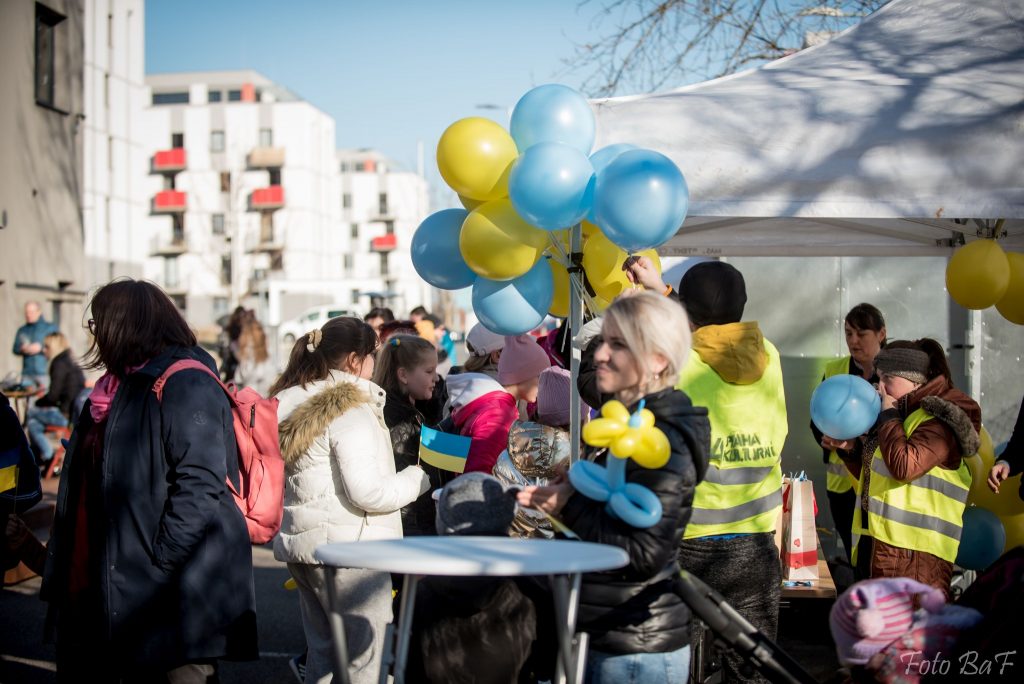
405, 625
337, 627
566, 594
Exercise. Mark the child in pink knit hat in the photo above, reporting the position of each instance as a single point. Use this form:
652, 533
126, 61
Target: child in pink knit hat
877, 623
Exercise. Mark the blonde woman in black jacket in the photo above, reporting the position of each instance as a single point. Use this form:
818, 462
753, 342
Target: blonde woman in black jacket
638, 624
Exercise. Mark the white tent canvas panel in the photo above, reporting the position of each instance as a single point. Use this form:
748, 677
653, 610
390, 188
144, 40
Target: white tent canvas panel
890, 139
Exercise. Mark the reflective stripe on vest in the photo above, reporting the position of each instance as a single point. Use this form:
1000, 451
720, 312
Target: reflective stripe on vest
742, 490
838, 478
925, 514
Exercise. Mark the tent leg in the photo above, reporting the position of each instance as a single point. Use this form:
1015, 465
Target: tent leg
575, 324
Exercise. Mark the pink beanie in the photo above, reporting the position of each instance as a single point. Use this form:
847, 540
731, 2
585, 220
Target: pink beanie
872, 614
521, 359
553, 397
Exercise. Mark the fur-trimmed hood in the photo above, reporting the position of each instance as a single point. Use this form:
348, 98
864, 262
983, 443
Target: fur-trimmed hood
307, 412
951, 406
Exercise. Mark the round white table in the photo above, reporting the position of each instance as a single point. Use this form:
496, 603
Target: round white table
415, 557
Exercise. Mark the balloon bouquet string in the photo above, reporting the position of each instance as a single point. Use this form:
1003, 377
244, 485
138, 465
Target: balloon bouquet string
575, 274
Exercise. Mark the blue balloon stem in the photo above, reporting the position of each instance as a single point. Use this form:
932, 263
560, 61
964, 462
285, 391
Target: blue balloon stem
616, 473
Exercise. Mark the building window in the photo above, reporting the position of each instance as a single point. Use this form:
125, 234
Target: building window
355, 296
355, 231
179, 302
110, 153
170, 98
267, 227
275, 176
225, 270
234, 96
46, 34
348, 264
106, 90
214, 96
177, 140
178, 229
266, 137
389, 227
220, 305
171, 273
225, 181
382, 203
344, 167
346, 201
360, 166
216, 141
110, 30
384, 264
217, 224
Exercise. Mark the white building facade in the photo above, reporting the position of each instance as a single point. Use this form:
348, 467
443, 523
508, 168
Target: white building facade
246, 204
114, 200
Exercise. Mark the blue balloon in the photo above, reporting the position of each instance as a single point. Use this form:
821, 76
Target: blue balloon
982, 539
602, 158
631, 503
845, 406
553, 113
552, 185
517, 306
435, 251
640, 199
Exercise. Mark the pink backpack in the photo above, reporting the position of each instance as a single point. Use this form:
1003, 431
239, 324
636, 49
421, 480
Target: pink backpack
260, 466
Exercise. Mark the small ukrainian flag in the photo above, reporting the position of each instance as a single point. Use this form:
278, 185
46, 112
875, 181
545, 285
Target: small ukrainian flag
443, 450
9, 469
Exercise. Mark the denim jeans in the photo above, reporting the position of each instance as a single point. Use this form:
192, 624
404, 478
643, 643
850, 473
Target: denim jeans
638, 668
38, 419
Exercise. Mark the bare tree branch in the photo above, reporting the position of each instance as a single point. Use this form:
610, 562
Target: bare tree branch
647, 45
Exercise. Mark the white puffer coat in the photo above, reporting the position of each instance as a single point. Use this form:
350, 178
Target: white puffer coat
340, 479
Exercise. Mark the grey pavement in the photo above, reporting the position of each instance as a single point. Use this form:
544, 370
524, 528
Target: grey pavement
25, 659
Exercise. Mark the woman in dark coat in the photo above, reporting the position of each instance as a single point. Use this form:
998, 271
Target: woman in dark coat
638, 623
149, 567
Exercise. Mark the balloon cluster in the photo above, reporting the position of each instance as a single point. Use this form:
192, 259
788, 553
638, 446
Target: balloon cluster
521, 189
626, 436
993, 523
845, 406
981, 274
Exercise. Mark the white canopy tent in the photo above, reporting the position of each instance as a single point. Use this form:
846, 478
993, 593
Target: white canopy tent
897, 137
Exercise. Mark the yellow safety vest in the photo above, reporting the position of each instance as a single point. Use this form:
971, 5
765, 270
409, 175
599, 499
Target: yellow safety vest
925, 514
838, 478
742, 490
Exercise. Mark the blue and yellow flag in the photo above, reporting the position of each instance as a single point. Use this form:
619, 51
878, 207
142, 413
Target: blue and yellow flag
444, 450
9, 469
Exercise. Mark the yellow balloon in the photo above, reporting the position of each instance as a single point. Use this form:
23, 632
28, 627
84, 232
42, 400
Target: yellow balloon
560, 300
1011, 306
1006, 502
602, 431
654, 450
469, 203
615, 410
600, 304
498, 244
589, 228
475, 156
646, 418
978, 274
625, 445
602, 262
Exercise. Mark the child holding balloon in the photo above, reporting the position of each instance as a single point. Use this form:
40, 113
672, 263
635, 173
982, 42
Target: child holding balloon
639, 626
914, 484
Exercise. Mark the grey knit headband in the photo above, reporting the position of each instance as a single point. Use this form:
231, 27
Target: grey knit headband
911, 364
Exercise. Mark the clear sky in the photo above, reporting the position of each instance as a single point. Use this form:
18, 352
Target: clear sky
390, 72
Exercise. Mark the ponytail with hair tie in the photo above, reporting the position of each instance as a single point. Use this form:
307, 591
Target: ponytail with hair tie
314, 337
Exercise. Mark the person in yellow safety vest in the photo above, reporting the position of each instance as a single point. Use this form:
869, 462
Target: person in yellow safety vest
736, 373
914, 480
865, 337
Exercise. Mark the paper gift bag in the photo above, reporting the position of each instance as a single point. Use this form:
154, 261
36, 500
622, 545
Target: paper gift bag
799, 536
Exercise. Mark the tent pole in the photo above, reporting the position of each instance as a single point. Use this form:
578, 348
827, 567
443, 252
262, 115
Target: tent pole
575, 324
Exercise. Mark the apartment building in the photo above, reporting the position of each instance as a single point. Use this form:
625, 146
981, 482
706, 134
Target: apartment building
114, 202
41, 47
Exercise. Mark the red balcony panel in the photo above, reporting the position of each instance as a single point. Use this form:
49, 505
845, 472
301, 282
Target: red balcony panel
267, 198
169, 160
169, 201
384, 243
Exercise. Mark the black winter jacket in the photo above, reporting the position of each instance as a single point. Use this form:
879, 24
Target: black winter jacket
404, 422
66, 382
637, 609
175, 572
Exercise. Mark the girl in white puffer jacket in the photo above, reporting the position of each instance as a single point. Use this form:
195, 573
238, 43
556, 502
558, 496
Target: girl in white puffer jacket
341, 486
